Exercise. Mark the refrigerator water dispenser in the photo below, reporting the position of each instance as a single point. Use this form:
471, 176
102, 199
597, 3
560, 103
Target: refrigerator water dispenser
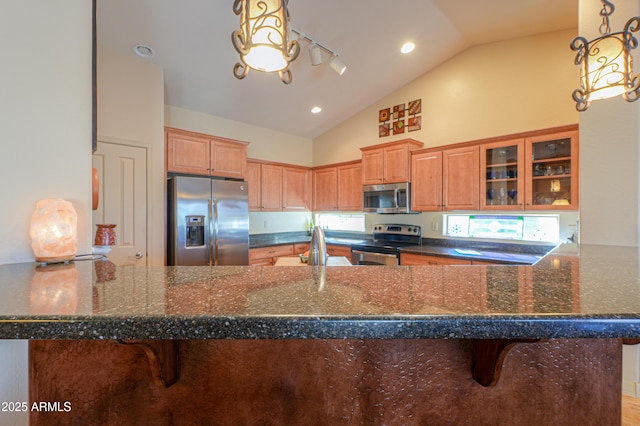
195, 231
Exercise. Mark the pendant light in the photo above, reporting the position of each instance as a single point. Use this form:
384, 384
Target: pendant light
263, 38
606, 62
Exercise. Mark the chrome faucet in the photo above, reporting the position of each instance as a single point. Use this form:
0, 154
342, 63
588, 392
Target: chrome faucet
318, 252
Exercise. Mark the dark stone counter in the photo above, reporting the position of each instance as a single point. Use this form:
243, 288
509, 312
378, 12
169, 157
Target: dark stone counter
485, 255
506, 253
331, 237
591, 295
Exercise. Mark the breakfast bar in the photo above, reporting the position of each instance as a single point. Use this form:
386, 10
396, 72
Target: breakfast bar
497, 344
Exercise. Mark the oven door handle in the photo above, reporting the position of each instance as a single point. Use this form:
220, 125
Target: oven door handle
374, 253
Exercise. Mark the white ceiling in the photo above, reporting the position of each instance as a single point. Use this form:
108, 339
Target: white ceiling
192, 43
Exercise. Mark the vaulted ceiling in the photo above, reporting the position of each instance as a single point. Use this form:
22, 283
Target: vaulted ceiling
192, 43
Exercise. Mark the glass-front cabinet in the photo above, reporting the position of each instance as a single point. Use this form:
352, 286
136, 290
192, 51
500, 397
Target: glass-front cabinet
552, 172
502, 175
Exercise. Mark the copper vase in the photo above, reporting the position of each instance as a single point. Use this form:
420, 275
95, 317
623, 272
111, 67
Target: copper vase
105, 235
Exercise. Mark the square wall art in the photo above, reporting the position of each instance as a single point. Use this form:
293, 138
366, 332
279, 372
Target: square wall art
400, 117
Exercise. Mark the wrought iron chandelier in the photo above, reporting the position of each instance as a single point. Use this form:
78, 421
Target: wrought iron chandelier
263, 38
606, 62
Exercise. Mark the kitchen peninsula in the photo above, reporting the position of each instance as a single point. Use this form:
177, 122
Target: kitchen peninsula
497, 344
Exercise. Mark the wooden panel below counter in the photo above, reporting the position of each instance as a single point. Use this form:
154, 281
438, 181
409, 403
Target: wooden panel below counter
336, 382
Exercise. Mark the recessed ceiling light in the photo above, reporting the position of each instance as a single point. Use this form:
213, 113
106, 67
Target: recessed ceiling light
407, 47
316, 109
143, 51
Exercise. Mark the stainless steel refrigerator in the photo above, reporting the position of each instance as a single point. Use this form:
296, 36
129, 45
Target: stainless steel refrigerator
208, 222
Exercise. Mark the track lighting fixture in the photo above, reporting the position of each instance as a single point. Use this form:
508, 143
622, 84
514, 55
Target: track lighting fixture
315, 52
338, 66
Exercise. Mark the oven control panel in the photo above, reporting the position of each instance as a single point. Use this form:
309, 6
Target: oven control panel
413, 230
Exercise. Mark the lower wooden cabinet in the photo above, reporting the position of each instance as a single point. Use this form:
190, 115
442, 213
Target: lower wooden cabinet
423, 259
407, 259
267, 256
300, 248
338, 250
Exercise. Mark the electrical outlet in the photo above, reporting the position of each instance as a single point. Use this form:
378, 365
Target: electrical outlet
435, 226
266, 224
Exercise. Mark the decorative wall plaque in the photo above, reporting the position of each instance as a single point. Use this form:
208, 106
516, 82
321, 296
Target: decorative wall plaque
399, 117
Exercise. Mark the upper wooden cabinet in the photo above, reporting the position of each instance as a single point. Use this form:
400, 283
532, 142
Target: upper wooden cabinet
445, 180
502, 175
296, 189
388, 163
199, 154
278, 187
350, 187
527, 171
325, 189
460, 178
254, 180
537, 171
271, 188
551, 181
426, 181
338, 187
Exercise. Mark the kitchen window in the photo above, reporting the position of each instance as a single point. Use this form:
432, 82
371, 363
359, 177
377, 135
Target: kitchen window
543, 228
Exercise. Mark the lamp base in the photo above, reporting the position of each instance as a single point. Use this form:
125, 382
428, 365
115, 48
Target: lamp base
60, 259
103, 250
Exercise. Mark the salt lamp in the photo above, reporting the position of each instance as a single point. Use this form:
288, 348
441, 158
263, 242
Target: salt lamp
54, 231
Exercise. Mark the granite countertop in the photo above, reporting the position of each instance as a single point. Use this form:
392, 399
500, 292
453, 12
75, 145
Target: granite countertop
331, 237
295, 261
506, 253
595, 294
482, 254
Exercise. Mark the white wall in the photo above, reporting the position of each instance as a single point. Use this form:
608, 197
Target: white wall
609, 152
609, 164
270, 222
489, 90
45, 111
131, 111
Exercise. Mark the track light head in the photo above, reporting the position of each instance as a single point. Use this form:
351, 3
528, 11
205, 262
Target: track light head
338, 66
314, 54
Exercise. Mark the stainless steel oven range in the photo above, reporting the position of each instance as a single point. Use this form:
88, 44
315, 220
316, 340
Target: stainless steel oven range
387, 239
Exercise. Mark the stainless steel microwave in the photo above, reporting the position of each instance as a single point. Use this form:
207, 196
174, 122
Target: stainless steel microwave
387, 198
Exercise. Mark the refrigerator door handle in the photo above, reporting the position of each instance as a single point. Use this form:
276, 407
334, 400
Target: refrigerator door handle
215, 232
211, 233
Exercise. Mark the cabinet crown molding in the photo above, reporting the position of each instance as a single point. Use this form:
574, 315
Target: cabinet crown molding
413, 144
